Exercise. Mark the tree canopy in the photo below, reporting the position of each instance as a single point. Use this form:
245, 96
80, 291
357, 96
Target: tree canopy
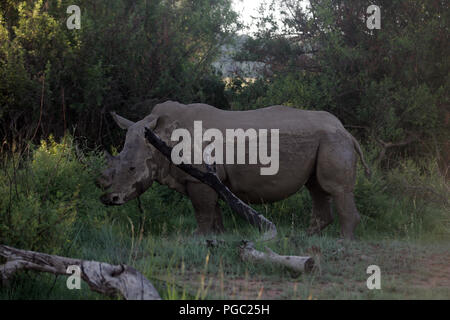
126, 56
389, 85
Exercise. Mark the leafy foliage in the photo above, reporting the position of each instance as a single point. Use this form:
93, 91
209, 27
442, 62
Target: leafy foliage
126, 57
39, 198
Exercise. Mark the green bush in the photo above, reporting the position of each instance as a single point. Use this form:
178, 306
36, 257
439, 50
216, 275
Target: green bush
407, 202
41, 197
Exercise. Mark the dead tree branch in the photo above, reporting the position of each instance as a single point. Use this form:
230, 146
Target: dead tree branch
211, 179
101, 277
295, 264
387, 145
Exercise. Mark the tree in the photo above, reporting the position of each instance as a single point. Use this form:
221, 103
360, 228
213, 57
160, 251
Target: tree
127, 56
390, 85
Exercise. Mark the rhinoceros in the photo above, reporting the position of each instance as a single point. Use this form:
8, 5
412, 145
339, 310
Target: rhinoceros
315, 150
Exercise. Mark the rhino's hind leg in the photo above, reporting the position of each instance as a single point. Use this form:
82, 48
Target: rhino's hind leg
322, 213
207, 211
336, 174
348, 214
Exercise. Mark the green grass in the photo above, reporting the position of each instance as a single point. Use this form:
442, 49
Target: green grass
182, 266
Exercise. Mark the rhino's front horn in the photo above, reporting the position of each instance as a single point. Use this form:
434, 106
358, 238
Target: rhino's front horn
121, 121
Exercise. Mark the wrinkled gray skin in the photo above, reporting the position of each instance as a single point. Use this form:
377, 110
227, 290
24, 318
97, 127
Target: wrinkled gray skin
315, 151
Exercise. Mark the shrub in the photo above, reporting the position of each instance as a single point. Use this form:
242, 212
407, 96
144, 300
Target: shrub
41, 196
409, 201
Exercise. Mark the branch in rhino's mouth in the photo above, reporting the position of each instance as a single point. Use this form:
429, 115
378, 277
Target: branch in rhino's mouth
139, 190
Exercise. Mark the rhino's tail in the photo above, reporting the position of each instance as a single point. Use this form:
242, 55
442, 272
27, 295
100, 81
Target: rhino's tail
367, 171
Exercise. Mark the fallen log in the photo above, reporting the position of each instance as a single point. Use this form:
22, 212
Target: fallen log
294, 264
211, 179
101, 277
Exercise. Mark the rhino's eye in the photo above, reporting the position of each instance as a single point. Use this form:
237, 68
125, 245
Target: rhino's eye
132, 169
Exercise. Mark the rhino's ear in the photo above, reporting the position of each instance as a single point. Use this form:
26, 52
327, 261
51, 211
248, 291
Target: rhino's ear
164, 125
121, 121
170, 127
162, 122
152, 123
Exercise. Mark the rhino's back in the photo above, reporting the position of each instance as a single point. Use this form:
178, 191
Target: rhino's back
287, 119
299, 138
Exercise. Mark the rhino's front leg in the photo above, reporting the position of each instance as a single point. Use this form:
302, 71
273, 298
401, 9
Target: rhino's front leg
207, 212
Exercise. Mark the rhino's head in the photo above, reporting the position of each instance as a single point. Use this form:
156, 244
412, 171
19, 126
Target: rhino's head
131, 172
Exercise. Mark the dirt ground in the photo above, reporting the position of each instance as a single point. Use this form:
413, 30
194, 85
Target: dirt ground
406, 273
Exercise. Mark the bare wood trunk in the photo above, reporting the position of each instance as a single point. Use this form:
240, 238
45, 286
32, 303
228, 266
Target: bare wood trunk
295, 264
101, 277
